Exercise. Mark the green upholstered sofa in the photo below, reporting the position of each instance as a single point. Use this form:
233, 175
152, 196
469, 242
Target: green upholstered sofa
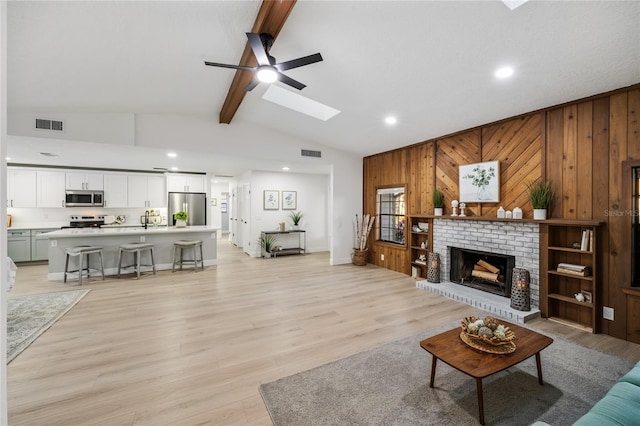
620, 406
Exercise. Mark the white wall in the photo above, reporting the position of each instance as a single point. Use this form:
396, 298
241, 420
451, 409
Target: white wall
3, 223
216, 193
113, 128
312, 193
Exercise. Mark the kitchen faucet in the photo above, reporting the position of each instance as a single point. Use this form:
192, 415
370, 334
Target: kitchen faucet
146, 219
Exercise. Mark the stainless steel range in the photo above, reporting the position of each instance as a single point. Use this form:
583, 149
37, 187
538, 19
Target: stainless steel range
77, 221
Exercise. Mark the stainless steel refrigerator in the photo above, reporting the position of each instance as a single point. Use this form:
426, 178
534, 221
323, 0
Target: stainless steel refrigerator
193, 203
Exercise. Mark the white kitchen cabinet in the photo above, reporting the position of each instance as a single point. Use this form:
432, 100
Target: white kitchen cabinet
146, 191
115, 190
21, 188
186, 183
19, 245
51, 188
84, 180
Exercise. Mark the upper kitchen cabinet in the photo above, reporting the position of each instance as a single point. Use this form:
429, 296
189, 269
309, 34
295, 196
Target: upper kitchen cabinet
146, 191
115, 190
85, 180
21, 188
50, 188
186, 183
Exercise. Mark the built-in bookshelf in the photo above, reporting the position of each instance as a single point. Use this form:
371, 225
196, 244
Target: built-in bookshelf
421, 242
569, 280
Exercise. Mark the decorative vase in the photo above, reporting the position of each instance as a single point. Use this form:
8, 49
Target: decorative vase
540, 214
437, 211
359, 257
181, 223
483, 193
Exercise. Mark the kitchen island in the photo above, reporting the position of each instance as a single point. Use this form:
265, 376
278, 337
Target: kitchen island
110, 239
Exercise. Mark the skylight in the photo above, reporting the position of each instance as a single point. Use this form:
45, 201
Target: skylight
299, 103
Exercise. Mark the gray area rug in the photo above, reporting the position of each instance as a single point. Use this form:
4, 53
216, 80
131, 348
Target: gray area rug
389, 385
30, 316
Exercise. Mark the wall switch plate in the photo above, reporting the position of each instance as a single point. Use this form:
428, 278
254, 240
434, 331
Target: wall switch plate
382, 257
142, 238
607, 313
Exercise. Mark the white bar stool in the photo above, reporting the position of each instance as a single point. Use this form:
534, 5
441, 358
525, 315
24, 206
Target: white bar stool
136, 249
182, 245
82, 253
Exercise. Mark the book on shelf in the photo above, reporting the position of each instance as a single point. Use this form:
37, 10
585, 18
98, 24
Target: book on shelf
420, 262
587, 240
572, 269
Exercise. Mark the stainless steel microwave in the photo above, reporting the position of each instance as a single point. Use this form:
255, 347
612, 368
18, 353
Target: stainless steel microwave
84, 199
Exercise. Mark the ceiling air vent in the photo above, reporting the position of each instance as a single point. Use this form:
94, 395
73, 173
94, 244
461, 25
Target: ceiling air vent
310, 153
44, 124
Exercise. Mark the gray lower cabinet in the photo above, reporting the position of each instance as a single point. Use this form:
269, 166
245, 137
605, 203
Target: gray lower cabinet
40, 248
23, 245
19, 245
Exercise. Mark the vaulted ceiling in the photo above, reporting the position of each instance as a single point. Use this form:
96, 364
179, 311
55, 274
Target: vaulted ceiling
429, 63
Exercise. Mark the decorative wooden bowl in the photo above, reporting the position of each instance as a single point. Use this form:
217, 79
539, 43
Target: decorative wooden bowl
493, 344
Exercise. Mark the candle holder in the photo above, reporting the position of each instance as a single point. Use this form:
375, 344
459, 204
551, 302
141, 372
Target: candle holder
520, 290
433, 269
454, 206
462, 207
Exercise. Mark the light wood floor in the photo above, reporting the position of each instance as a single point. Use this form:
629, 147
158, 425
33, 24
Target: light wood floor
191, 348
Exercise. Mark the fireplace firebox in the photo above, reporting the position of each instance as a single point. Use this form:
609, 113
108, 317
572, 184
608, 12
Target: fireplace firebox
490, 272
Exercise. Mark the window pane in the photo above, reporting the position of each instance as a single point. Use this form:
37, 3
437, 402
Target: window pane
391, 215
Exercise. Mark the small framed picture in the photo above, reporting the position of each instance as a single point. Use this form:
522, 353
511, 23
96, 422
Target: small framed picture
271, 200
587, 296
289, 200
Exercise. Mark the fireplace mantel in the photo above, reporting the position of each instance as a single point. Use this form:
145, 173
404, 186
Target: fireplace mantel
499, 219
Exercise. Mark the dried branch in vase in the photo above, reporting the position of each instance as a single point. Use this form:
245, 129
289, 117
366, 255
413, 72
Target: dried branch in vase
362, 228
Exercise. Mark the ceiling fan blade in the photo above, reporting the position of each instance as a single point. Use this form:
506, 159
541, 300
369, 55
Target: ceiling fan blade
252, 85
258, 49
291, 82
295, 63
236, 67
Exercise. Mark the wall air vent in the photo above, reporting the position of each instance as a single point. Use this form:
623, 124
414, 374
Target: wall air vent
45, 124
310, 153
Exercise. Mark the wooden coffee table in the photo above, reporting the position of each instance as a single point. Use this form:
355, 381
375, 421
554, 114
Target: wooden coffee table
449, 348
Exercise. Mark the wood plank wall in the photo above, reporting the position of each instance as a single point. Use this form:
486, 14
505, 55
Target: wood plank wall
580, 146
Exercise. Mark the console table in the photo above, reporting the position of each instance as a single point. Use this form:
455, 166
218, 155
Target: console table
291, 242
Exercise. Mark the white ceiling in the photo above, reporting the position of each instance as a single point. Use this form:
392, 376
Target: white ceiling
429, 63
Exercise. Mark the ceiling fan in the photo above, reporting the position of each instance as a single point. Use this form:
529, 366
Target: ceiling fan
268, 70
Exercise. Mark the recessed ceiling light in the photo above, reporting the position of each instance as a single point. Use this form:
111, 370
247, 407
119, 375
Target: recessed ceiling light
390, 120
172, 154
285, 168
8, 158
174, 169
504, 72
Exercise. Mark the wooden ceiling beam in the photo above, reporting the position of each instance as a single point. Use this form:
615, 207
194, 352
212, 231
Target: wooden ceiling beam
271, 18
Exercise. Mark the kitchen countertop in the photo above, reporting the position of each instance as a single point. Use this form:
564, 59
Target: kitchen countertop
36, 225
98, 232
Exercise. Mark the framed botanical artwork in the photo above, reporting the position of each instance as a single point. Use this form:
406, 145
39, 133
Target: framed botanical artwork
480, 182
271, 200
289, 200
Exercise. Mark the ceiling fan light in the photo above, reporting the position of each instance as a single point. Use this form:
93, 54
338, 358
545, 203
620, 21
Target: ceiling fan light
267, 74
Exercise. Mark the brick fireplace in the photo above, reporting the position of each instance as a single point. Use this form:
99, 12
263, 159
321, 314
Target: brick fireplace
512, 238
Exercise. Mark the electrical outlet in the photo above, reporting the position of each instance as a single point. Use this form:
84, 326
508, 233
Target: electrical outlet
142, 238
382, 257
607, 313
54, 243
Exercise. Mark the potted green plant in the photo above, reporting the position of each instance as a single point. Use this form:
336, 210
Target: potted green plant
438, 202
540, 194
296, 217
181, 219
266, 243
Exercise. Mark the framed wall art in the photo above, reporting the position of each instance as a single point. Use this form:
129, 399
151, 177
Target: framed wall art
271, 200
289, 200
480, 182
